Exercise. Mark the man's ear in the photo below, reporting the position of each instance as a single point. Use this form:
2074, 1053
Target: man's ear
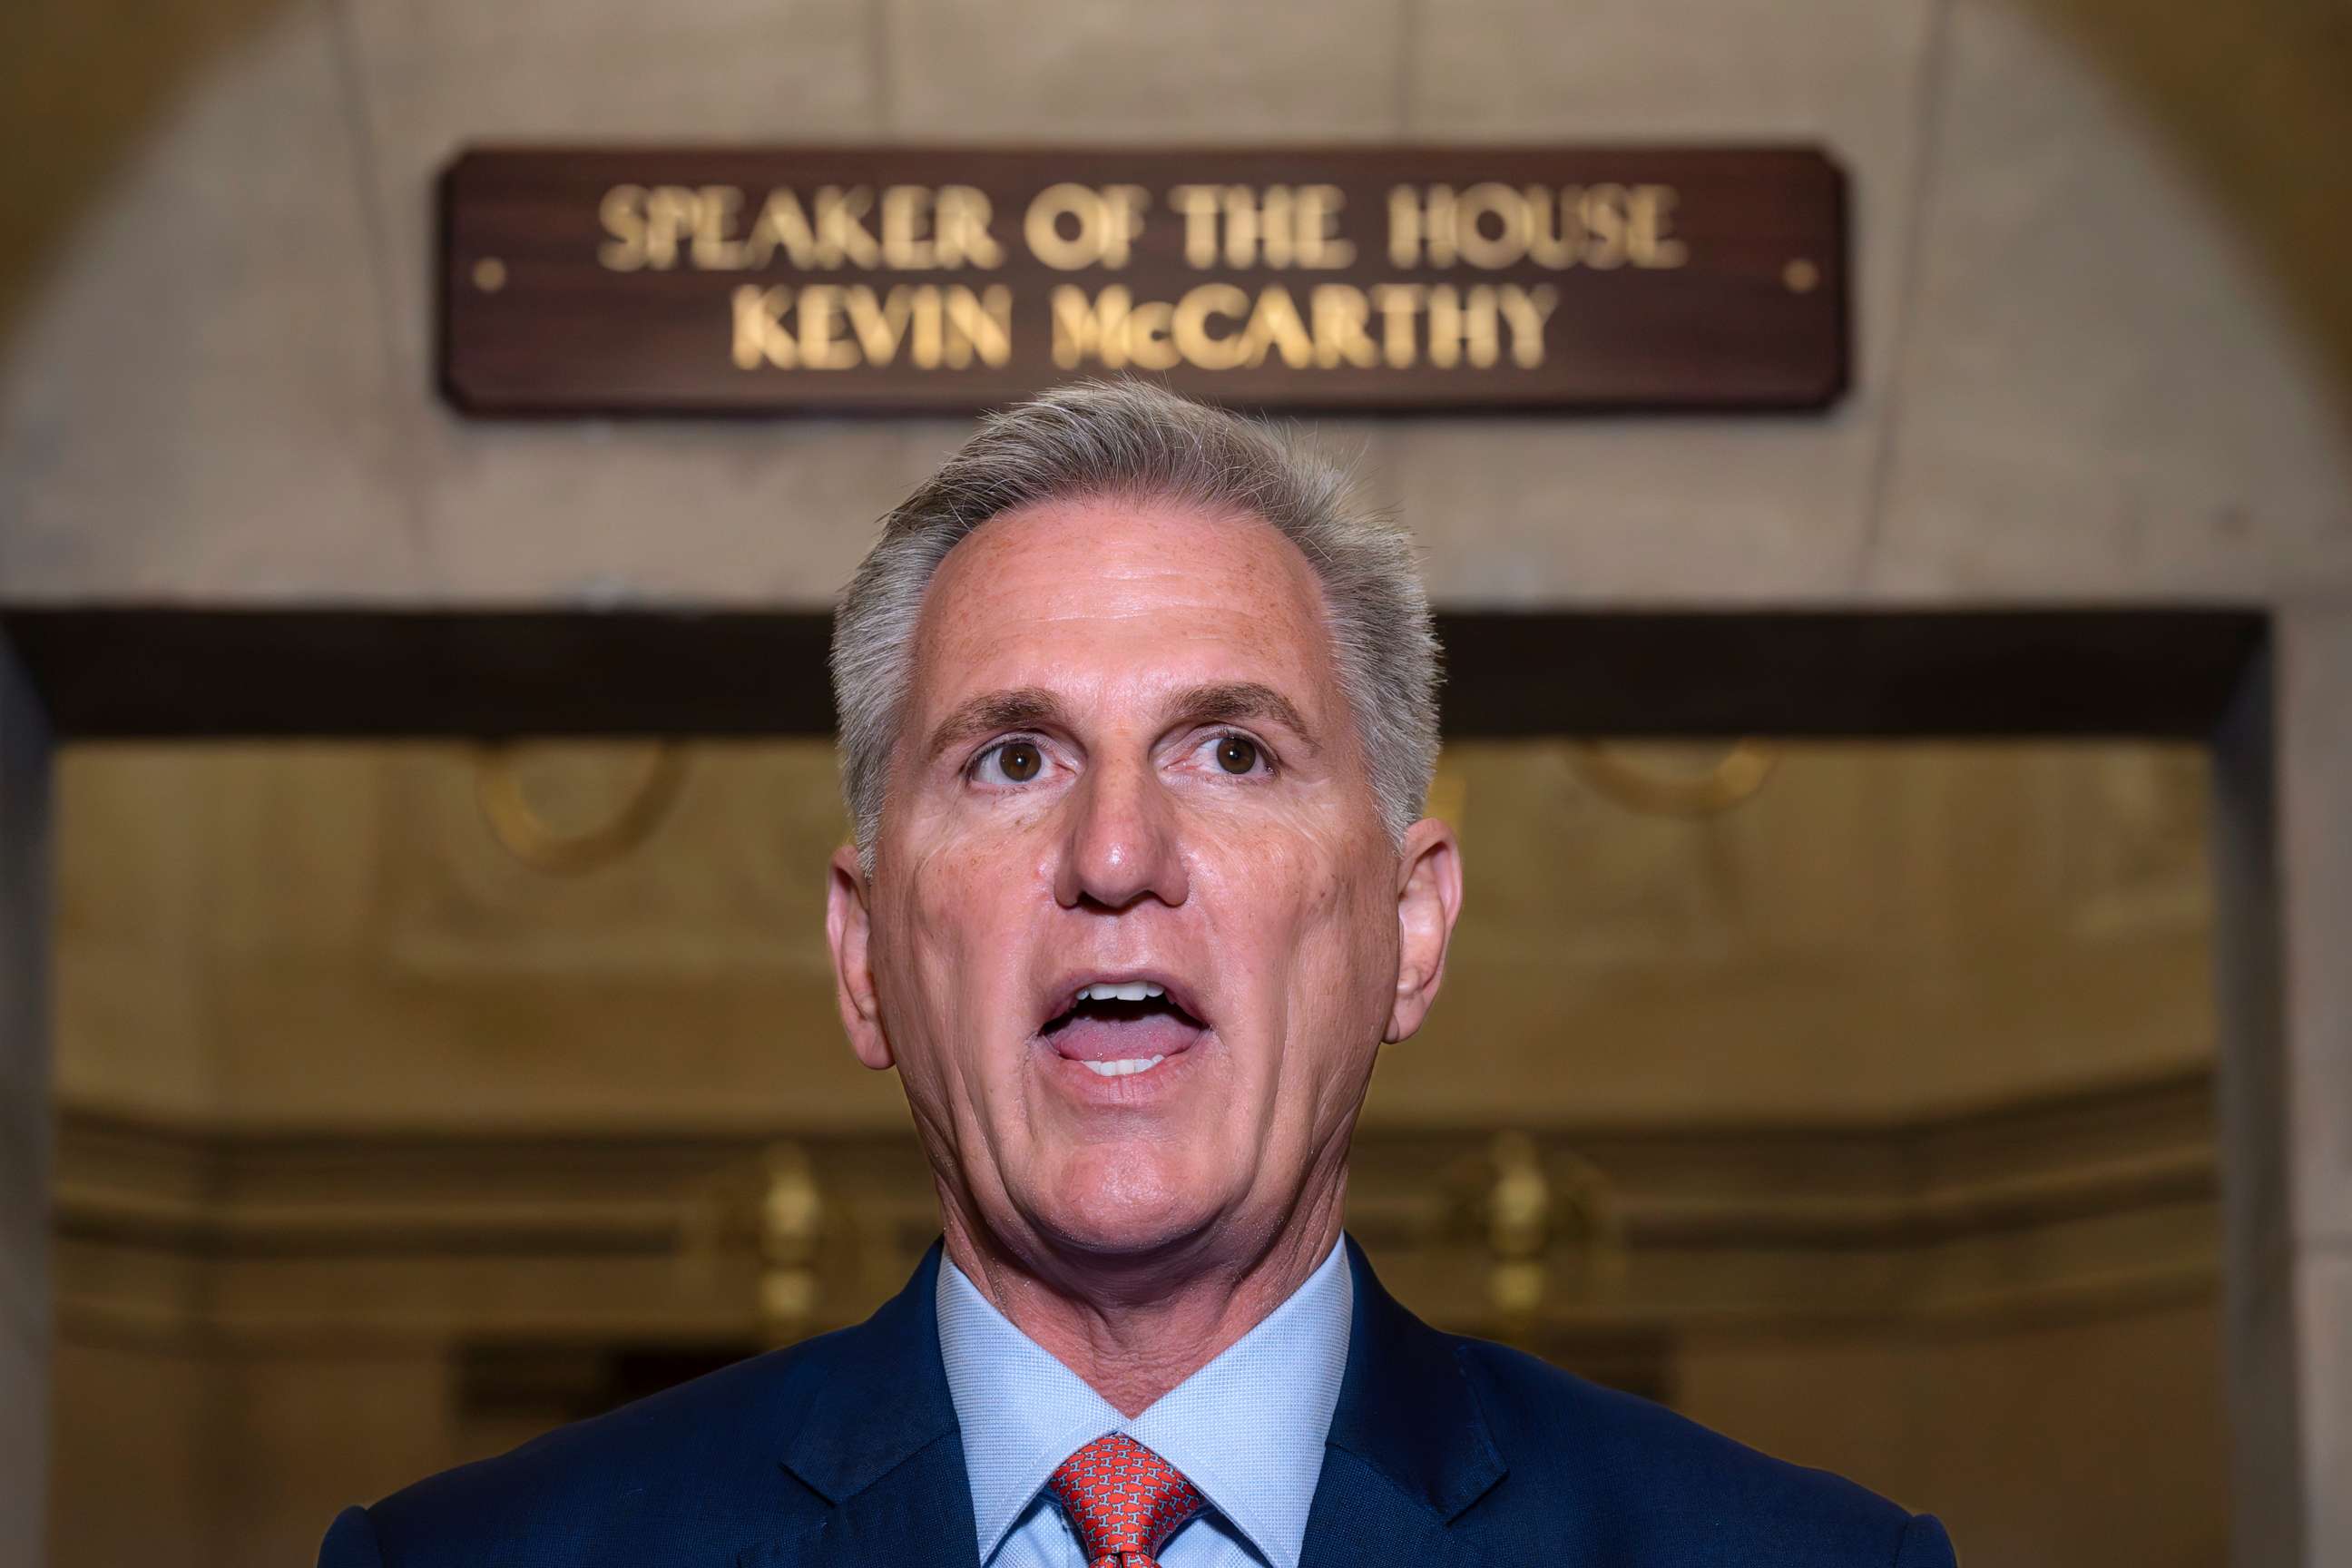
1429, 900
849, 931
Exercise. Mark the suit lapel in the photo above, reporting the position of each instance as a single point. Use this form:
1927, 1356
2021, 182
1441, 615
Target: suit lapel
1362, 1517
918, 1516
879, 1449
1409, 1449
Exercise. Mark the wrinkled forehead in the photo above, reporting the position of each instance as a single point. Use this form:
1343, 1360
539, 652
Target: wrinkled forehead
1113, 601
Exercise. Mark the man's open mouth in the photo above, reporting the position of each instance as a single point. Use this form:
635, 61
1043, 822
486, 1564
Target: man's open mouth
1118, 1027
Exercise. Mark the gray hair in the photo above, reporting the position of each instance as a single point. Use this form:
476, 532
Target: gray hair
1131, 439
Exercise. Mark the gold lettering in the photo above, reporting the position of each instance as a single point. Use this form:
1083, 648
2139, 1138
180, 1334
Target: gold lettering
1398, 304
1421, 225
927, 343
1652, 215
1128, 204
1108, 222
979, 323
782, 224
672, 213
1525, 312
1604, 214
930, 324
1041, 227
1257, 230
1492, 225
716, 248
623, 213
1404, 227
880, 326
1275, 323
1199, 205
921, 230
761, 336
1461, 327
1112, 330
1150, 343
1187, 326
906, 217
841, 233
1083, 332
1442, 225
1340, 310
960, 219
1281, 226
822, 346
1319, 242
1554, 232
1507, 246
826, 236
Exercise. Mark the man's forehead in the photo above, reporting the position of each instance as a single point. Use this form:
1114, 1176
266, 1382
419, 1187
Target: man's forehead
1109, 597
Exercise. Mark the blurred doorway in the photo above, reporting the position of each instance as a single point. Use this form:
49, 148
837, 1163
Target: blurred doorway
1856, 1096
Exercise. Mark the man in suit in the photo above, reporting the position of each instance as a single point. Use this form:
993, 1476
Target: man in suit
1138, 715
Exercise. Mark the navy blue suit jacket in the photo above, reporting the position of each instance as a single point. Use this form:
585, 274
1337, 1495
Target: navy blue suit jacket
843, 1450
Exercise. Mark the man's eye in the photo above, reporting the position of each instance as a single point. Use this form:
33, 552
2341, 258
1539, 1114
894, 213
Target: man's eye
1013, 762
1237, 753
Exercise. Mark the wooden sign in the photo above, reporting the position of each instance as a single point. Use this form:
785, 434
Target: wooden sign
684, 281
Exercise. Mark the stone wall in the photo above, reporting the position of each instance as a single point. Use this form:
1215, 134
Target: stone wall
2076, 379
2102, 355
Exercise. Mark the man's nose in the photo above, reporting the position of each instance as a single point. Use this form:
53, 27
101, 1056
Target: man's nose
1122, 842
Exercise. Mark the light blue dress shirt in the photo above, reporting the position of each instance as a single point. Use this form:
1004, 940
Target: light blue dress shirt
1247, 1429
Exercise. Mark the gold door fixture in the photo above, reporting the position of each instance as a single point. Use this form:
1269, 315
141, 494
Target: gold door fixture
531, 838
1736, 778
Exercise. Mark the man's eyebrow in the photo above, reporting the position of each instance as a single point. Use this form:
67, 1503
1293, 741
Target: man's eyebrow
1022, 708
1237, 703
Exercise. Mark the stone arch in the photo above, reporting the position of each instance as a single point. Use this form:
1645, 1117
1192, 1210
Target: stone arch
2100, 347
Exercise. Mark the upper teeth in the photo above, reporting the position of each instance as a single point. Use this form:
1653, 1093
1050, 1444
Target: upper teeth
1120, 991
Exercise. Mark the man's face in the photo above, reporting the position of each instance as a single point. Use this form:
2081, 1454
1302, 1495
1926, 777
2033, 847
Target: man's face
1136, 930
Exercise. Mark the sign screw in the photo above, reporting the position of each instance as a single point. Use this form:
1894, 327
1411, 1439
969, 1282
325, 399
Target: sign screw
1800, 276
489, 275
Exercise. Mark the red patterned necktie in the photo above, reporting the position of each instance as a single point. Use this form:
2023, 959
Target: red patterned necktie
1125, 1499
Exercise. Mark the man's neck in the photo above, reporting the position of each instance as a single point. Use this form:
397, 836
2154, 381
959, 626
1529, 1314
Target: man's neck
1133, 1332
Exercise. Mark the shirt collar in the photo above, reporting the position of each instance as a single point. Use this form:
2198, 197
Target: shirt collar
1247, 1429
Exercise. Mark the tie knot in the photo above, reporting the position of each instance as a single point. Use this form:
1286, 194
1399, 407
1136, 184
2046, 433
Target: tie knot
1125, 1500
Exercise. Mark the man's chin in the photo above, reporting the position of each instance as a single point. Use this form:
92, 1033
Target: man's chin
1128, 1212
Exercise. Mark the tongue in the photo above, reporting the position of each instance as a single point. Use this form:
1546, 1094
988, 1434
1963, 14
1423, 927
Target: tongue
1091, 1039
